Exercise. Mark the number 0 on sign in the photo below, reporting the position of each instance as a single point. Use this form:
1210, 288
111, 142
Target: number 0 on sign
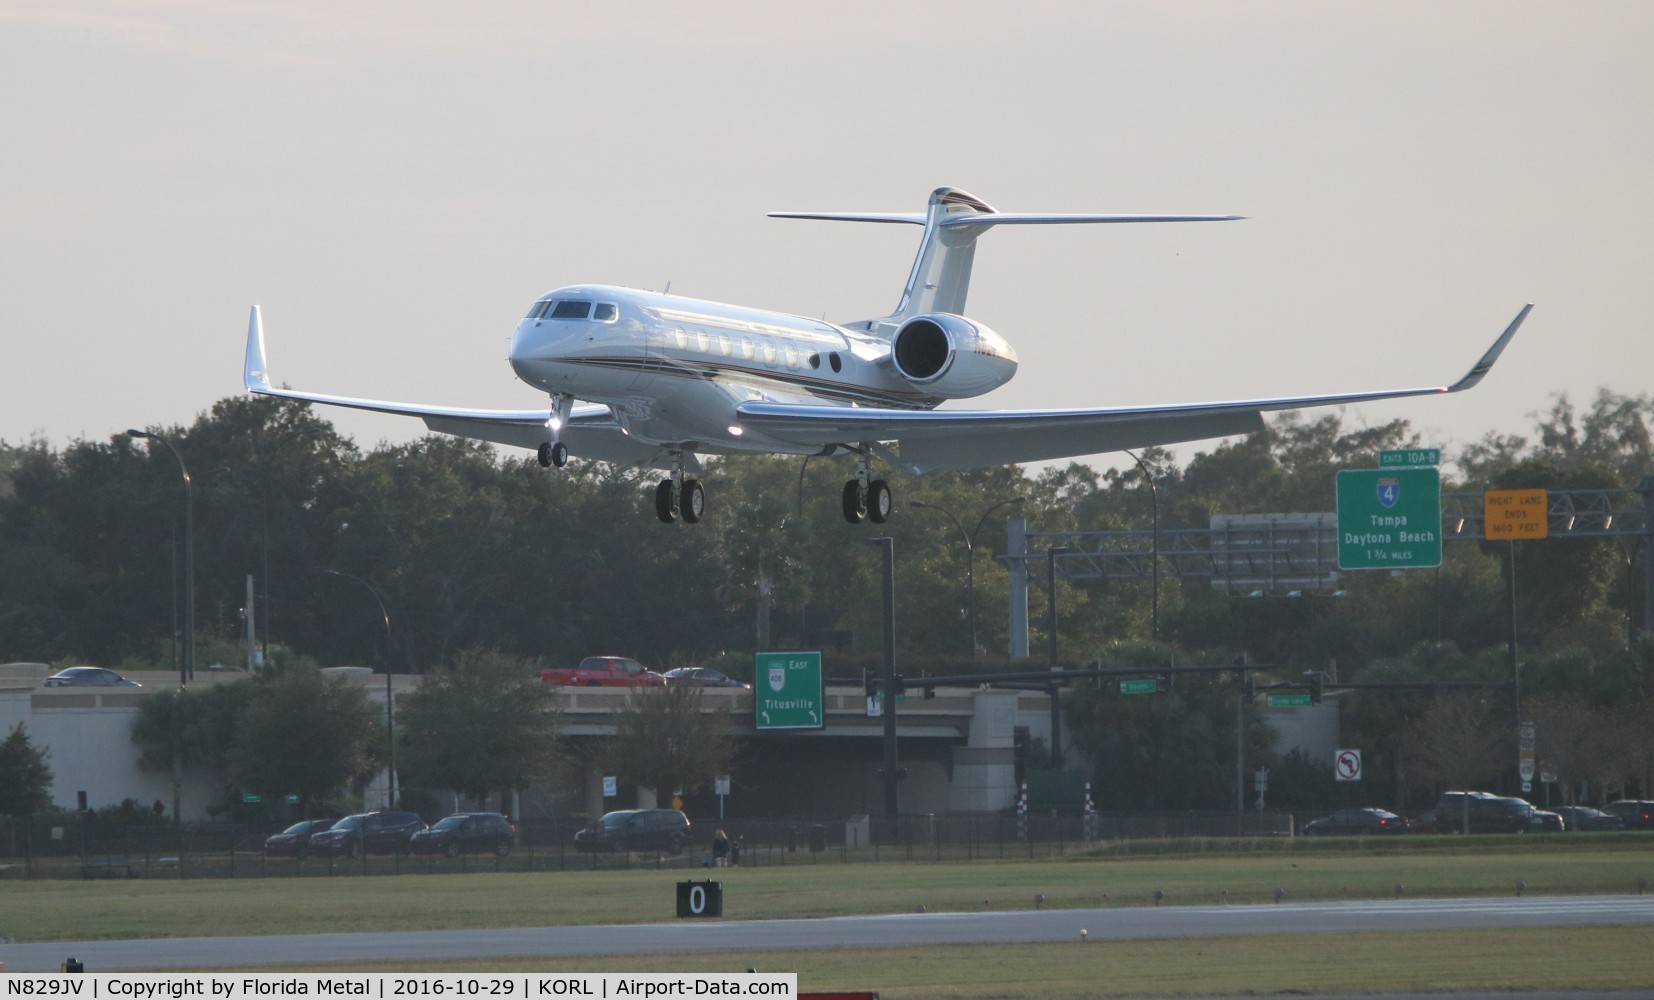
1347, 765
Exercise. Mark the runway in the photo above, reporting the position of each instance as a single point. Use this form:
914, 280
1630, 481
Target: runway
894, 930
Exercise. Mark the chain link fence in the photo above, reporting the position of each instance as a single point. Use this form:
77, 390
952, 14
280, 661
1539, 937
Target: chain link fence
73, 847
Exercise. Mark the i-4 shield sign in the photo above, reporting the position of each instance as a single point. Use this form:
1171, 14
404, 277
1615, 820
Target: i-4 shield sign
788, 691
1389, 518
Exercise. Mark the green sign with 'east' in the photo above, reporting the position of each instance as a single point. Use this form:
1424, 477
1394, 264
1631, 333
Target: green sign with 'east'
1389, 518
787, 691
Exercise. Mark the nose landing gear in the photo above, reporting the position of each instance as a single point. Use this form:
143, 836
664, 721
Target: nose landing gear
555, 452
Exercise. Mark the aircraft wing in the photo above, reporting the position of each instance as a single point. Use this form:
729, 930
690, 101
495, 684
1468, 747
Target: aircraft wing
930, 440
592, 431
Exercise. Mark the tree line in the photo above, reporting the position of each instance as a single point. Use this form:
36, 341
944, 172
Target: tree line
475, 550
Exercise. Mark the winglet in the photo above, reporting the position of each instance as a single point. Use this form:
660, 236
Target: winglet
1485, 365
256, 374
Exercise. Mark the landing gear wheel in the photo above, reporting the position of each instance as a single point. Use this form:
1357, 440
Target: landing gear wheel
855, 505
553, 454
879, 501
691, 501
663, 502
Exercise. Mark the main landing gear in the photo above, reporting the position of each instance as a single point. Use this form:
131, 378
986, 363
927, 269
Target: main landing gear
679, 497
865, 497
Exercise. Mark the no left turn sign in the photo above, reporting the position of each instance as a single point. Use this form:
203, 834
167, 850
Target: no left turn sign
1347, 765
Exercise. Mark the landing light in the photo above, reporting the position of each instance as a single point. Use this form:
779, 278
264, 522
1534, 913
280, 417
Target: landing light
735, 431
554, 422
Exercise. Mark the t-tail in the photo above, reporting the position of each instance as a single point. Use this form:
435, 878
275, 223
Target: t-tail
941, 274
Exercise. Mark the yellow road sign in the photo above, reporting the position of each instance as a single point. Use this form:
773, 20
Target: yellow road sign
1515, 515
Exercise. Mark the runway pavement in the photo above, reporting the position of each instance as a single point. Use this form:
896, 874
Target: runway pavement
1119, 923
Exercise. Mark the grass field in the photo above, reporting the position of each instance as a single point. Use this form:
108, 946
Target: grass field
1606, 958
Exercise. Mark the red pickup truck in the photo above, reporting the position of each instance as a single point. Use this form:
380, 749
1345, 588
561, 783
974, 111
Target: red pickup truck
604, 671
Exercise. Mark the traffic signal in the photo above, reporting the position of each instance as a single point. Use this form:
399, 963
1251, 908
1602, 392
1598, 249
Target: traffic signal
1315, 689
873, 687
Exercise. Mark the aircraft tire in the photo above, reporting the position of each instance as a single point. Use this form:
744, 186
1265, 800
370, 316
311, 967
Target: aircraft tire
854, 506
545, 455
663, 502
879, 501
559, 454
692, 501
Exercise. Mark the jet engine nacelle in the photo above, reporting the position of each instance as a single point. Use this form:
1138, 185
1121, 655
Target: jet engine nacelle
951, 357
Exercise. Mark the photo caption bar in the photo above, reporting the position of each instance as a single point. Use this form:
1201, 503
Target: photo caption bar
395, 985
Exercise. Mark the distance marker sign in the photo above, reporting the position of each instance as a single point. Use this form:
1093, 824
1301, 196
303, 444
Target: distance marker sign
1389, 518
787, 691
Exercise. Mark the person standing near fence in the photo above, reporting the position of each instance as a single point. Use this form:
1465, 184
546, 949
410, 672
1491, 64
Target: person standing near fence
720, 849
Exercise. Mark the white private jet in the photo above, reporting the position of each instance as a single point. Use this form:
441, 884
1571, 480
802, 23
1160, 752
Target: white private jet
675, 377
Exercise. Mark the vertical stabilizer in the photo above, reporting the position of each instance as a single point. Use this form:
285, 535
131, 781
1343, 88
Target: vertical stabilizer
941, 275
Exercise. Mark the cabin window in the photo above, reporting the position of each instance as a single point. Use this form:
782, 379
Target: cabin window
571, 309
747, 350
833, 359
702, 342
538, 309
605, 312
815, 361
769, 353
723, 344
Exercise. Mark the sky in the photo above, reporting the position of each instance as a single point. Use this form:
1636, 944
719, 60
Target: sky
394, 183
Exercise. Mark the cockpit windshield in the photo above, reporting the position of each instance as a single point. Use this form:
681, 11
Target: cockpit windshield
602, 312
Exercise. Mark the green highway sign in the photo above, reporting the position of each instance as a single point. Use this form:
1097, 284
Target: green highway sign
1409, 457
786, 691
1138, 687
1389, 518
1289, 701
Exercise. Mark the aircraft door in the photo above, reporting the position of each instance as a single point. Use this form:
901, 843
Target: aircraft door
655, 340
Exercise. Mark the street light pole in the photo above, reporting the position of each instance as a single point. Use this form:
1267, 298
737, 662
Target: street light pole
186, 665
1051, 555
1154, 542
390, 657
264, 526
970, 555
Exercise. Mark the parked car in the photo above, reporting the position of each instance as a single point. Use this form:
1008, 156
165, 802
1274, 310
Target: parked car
636, 830
604, 671
466, 833
294, 842
1546, 821
1356, 820
1485, 812
704, 677
368, 833
1637, 814
1584, 818
88, 677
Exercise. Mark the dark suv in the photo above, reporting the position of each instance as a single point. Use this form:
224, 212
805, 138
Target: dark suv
1638, 814
1485, 812
368, 833
466, 833
636, 830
